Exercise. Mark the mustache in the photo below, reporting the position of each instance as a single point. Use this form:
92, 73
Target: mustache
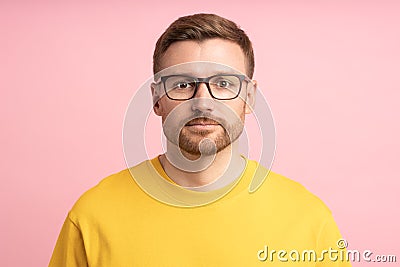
204, 118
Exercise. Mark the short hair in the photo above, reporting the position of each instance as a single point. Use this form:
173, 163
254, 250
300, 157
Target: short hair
201, 27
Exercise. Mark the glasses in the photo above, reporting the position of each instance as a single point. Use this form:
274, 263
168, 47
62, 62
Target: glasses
221, 86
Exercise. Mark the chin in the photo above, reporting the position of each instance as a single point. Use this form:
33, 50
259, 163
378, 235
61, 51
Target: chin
191, 144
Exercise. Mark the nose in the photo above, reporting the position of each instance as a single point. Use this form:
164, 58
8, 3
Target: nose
203, 101
202, 91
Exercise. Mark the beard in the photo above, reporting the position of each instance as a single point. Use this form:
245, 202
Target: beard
208, 142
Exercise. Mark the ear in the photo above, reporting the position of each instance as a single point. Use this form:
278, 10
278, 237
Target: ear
251, 96
157, 108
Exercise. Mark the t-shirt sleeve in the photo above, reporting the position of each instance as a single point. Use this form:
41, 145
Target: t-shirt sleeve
69, 250
331, 246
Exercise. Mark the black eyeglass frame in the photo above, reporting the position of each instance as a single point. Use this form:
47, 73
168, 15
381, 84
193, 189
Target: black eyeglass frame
206, 81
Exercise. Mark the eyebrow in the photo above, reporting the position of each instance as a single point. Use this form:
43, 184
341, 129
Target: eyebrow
191, 74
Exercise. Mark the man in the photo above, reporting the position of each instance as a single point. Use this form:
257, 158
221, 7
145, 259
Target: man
192, 206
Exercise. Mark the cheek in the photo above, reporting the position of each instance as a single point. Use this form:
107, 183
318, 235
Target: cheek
167, 106
239, 107
237, 111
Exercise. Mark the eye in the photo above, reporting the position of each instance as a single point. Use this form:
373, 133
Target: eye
223, 83
183, 85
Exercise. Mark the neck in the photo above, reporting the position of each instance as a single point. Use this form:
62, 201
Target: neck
218, 169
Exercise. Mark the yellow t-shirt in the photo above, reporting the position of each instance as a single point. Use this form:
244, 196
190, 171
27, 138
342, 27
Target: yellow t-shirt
119, 223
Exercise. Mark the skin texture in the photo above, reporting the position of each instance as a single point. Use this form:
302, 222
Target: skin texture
227, 159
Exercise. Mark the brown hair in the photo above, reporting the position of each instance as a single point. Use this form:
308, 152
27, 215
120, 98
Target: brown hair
200, 27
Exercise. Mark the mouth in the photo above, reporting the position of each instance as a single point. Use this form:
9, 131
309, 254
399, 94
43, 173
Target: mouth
202, 125
202, 122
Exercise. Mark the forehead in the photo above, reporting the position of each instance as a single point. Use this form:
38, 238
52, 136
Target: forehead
226, 54
199, 69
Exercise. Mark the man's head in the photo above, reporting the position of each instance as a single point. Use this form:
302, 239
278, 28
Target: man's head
204, 38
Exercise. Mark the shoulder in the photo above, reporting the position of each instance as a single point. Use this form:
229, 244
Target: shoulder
108, 194
290, 195
114, 182
288, 186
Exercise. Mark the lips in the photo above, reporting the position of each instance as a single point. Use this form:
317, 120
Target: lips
201, 121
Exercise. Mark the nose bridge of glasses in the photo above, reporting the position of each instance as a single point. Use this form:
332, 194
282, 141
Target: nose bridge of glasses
203, 88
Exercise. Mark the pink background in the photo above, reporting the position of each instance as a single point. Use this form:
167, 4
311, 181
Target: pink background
329, 69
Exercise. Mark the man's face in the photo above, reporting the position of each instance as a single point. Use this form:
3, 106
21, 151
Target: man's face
207, 118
